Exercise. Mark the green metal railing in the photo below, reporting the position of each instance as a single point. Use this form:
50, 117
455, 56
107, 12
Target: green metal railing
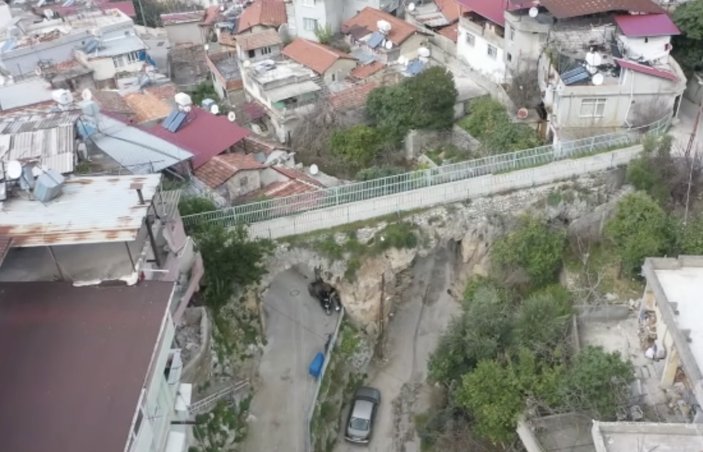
362, 191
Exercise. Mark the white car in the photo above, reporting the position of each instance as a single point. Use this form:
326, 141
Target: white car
362, 414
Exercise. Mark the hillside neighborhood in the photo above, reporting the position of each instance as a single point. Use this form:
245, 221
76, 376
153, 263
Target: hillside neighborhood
343, 225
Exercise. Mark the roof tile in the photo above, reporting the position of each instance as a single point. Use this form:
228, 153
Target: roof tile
368, 18
316, 56
562, 9
353, 97
223, 167
258, 40
271, 13
367, 70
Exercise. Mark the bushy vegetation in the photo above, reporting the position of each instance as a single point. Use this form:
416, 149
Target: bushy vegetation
688, 48
489, 123
376, 172
425, 101
534, 247
508, 353
191, 205
358, 146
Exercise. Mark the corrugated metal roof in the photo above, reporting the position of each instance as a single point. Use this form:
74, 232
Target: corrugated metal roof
138, 151
649, 70
48, 138
90, 210
638, 25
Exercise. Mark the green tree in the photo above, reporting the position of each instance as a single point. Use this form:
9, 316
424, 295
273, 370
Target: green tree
533, 246
691, 237
639, 229
425, 101
654, 171
480, 333
597, 382
357, 146
376, 172
543, 319
231, 260
149, 11
195, 204
688, 48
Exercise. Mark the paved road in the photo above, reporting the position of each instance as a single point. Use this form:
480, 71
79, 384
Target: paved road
412, 335
682, 130
296, 329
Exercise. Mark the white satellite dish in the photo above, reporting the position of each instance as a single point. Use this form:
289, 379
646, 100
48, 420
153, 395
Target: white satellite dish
13, 170
533, 12
597, 79
594, 59
402, 60
231, 116
411, 7
86, 95
423, 52
215, 109
388, 45
314, 169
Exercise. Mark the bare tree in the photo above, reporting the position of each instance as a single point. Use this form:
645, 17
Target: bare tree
524, 90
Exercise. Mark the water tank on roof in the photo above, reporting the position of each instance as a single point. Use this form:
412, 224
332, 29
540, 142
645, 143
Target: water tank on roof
384, 26
183, 100
62, 97
48, 185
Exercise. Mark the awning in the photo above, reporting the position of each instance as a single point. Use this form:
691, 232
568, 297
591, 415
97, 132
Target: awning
288, 91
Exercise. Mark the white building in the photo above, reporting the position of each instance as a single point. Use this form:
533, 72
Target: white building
307, 16
480, 45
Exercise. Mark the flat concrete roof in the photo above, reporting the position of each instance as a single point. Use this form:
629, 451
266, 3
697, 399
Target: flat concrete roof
647, 437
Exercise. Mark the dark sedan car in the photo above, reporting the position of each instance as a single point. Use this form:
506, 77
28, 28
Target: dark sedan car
362, 414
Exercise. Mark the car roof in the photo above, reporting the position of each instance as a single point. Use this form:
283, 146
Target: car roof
368, 393
362, 409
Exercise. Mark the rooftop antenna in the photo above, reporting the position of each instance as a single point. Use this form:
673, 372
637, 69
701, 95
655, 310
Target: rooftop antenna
533, 12
231, 116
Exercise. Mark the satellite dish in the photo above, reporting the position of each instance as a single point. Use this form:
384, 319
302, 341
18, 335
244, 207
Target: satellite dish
594, 59
215, 109
388, 45
411, 7
402, 60
314, 169
13, 170
522, 113
423, 52
231, 116
597, 79
533, 12
86, 95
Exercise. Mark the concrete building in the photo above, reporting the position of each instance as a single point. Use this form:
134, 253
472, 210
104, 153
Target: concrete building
525, 38
308, 16
226, 76
590, 84
671, 312
261, 45
329, 63
185, 27
105, 354
646, 436
97, 229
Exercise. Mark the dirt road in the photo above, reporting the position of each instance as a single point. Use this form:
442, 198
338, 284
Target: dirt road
296, 329
411, 336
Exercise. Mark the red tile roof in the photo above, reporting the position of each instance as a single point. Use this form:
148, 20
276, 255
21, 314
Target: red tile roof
366, 70
79, 358
640, 25
212, 13
354, 97
203, 134
562, 9
287, 188
269, 13
298, 175
450, 31
649, 70
490, 9
368, 19
265, 38
222, 168
451, 9
316, 56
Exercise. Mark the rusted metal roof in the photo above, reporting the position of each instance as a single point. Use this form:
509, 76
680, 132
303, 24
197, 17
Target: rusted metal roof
81, 357
90, 210
562, 9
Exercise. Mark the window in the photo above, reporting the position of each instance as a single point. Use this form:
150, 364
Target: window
334, 77
470, 39
251, 53
492, 51
592, 107
510, 57
265, 50
646, 39
132, 57
243, 182
511, 33
309, 24
118, 61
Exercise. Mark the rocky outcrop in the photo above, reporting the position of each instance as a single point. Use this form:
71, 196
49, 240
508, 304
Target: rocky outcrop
583, 205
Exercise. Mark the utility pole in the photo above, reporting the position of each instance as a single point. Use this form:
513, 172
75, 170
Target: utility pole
380, 315
689, 148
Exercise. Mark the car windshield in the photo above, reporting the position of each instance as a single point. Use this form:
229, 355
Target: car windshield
357, 423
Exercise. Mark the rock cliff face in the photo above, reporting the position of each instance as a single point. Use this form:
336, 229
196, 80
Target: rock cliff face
469, 229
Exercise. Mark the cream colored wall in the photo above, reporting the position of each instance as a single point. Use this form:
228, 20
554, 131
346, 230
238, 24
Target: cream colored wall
340, 69
409, 48
242, 183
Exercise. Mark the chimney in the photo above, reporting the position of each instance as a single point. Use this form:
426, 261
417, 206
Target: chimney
137, 186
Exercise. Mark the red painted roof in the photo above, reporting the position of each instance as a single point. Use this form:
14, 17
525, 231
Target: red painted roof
270, 13
203, 134
451, 9
646, 25
490, 9
649, 70
562, 9
314, 55
450, 31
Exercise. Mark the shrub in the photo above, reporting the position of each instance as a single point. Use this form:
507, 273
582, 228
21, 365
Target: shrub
358, 146
195, 204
